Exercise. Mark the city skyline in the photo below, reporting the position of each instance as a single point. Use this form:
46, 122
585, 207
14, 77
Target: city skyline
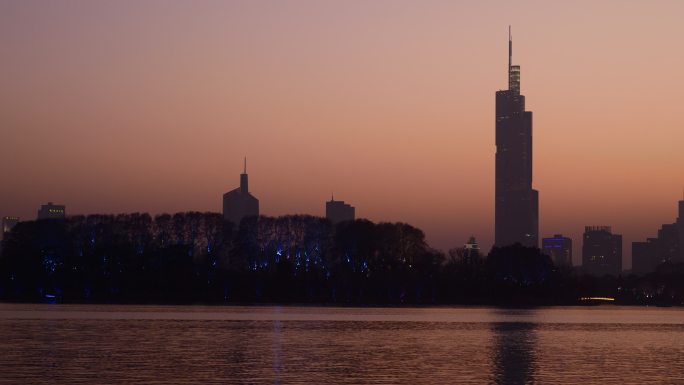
416, 100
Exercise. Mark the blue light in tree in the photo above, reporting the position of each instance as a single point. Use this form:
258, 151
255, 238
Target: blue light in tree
51, 263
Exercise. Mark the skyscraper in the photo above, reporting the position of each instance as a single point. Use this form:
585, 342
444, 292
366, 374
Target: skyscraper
239, 203
516, 203
338, 211
680, 230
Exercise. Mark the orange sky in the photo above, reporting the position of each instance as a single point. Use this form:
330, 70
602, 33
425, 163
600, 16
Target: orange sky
150, 106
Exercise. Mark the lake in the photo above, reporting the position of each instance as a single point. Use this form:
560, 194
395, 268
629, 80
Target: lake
91, 344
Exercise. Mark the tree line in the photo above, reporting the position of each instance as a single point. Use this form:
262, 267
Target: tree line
197, 257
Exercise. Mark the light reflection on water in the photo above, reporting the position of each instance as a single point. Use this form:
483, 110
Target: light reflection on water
514, 352
88, 344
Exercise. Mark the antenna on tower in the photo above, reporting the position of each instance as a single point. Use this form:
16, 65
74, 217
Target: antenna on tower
510, 47
510, 55
245, 166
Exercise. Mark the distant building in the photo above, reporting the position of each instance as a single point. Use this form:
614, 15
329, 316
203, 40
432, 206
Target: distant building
668, 243
667, 247
338, 211
471, 251
644, 256
559, 248
601, 251
52, 211
239, 203
7, 224
680, 230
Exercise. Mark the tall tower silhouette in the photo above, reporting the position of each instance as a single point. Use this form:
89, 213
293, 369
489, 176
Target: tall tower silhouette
516, 203
239, 203
680, 228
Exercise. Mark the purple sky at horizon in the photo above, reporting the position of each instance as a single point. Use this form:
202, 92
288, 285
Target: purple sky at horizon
128, 106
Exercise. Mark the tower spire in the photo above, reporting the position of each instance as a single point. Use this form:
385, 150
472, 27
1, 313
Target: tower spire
510, 47
510, 55
244, 184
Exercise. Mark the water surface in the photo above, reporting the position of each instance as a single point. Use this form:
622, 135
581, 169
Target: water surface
87, 344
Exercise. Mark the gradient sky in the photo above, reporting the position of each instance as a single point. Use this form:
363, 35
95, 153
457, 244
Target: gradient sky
126, 106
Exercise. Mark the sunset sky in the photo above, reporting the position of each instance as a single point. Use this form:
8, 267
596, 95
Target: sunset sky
150, 106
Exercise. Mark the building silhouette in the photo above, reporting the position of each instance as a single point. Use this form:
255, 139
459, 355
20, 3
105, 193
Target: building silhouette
666, 247
601, 251
559, 248
338, 211
7, 224
52, 211
516, 203
240, 203
644, 256
471, 252
680, 230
